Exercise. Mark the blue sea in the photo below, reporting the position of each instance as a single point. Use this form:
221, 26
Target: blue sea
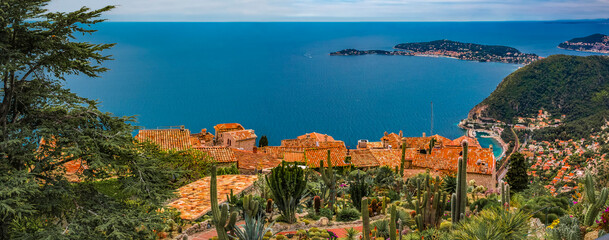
278, 79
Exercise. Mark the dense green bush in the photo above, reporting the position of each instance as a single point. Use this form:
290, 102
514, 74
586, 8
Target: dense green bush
325, 212
484, 203
566, 229
495, 223
547, 208
347, 214
384, 177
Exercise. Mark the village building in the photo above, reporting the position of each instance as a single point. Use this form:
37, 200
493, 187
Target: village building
235, 136
442, 159
175, 138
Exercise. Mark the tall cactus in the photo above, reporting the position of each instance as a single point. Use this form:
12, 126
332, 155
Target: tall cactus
392, 223
595, 202
327, 175
288, 184
220, 215
459, 198
505, 195
429, 203
432, 143
403, 162
250, 206
365, 219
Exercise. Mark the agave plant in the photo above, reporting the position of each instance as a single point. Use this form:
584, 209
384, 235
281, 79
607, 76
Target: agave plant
351, 233
505, 225
254, 229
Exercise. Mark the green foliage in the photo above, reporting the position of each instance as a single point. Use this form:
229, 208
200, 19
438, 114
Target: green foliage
493, 223
547, 208
449, 183
594, 202
39, 51
429, 202
263, 142
382, 228
458, 199
351, 233
485, 203
358, 189
567, 229
560, 84
326, 212
254, 229
230, 170
392, 223
347, 214
288, 184
329, 179
517, 173
250, 206
222, 219
384, 177
365, 219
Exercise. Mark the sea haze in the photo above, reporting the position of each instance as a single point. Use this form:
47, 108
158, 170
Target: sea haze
278, 79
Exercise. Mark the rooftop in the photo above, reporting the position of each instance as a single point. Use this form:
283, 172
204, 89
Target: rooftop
242, 135
220, 154
167, 139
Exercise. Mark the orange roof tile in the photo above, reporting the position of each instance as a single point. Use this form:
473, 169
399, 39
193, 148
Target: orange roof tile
387, 157
363, 158
255, 161
228, 126
167, 139
337, 156
242, 135
220, 154
318, 137
194, 200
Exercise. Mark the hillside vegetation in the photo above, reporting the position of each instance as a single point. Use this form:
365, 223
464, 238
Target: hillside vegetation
577, 87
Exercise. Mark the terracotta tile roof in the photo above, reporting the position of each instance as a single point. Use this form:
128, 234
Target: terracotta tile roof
423, 142
480, 160
242, 135
363, 158
278, 152
228, 126
73, 169
387, 157
473, 142
194, 200
220, 154
337, 156
167, 139
294, 157
375, 145
255, 161
392, 139
318, 137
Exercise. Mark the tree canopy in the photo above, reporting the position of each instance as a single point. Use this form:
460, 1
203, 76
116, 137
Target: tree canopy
43, 126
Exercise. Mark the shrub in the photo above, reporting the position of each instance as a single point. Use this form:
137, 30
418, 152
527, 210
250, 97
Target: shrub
382, 228
326, 212
385, 177
393, 195
547, 208
566, 229
494, 223
347, 214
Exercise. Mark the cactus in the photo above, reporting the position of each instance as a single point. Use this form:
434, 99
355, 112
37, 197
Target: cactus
316, 204
458, 199
505, 195
220, 215
432, 143
392, 223
403, 161
327, 175
594, 202
384, 205
288, 184
429, 202
250, 206
365, 219
269, 205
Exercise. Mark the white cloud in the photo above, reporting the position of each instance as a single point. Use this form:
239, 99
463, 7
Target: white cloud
343, 10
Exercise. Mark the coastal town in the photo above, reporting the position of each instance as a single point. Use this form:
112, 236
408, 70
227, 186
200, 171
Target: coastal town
452, 49
598, 43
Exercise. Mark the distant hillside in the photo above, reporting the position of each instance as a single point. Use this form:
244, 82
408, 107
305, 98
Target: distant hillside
577, 87
593, 43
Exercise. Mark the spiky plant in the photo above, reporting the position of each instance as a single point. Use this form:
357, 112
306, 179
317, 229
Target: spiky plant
351, 233
595, 203
253, 229
288, 184
494, 223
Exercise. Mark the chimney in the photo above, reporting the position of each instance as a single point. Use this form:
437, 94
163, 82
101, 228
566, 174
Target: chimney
182, 127
401, 134
255, 149
204, 131
385, 134
326, 138
423, 134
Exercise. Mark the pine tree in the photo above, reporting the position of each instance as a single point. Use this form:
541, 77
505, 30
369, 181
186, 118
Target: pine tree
43, 126
263, 142
517, 172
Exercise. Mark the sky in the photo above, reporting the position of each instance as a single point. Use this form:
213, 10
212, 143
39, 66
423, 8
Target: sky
342, 10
